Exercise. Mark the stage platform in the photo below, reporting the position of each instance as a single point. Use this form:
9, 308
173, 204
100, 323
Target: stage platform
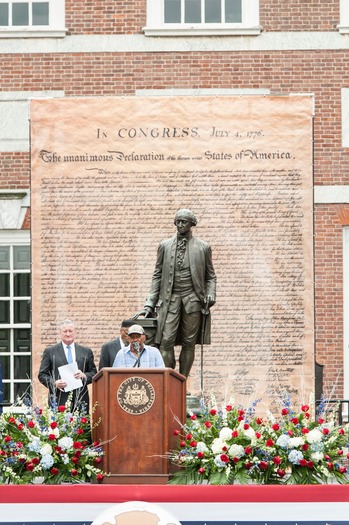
190, 505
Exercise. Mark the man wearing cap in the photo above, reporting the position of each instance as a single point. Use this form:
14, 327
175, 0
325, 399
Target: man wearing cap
137, 354
111, 348
182, 291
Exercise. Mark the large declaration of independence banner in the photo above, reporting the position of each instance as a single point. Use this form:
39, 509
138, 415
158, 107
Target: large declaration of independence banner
108, 175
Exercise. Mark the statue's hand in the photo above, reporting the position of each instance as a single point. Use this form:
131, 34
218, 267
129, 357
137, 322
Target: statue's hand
148, 311
209, 301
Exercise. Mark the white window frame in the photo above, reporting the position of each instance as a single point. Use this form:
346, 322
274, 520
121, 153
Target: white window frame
157, 27
343, 26
56, 27
15, 238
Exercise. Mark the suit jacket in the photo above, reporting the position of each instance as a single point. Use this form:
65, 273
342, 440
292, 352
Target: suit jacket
108, 353
54, 357
202, 274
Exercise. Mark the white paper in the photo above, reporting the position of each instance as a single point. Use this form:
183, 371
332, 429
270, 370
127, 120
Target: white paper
67, 374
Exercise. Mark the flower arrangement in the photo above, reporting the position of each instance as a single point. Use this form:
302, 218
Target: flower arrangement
229, 445
48, 446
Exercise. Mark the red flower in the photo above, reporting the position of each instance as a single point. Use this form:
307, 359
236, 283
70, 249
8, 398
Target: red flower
246, 426
248, 450
224, 458
284, 411
305, 430
303, 462
7, 439
208, 424
20, 426
35, 461
54, 471
342, 470
188, 437
54, 424
96, 443
235, 433
98, 461
263, 465
259, 421
80, 431
307, 415
201, 470
277, 460
74, 472
241, 412
193, 417
225, 448
30, 467
325, 431
213, 412
236, 460
75, 460
269, 443
327, 457
61, 408
305, 408
19, 444
280, 473
310, 464
83, 420
275, 426
228, 408
193, 443
58, 449
290, 433
100, 478
258, 435
31, 424
248, 465
175, 432
305, 446
330, 465
77, 444
12, 420
200, 455
182, 444
51, 437
341, 431
320, 420
240, 418
295, 420
339, 452
77, 453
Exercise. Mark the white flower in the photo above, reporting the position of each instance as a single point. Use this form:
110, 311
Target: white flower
201, 447
295, 442
249, 432
46, 450
217, 445
38, 480
65, 443
314, 436
236, 451
225, 433
317, 456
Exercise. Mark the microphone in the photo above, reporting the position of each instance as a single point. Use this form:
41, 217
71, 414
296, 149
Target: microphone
136, 346
140, 352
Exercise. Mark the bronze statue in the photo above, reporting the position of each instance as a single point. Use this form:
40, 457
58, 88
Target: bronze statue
182, 291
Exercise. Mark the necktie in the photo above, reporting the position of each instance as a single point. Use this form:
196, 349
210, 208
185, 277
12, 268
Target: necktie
69, 355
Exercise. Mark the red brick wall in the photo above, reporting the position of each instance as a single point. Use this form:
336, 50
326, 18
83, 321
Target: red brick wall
14, 171
299, 15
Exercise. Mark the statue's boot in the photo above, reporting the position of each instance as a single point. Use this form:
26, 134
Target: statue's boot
186, 359
168, 356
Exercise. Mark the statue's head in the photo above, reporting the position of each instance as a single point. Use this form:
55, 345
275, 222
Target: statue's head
187, 215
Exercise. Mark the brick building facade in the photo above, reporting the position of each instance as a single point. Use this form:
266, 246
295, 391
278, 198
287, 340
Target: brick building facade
88, 48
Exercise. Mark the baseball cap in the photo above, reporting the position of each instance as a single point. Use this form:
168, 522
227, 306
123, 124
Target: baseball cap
136, 329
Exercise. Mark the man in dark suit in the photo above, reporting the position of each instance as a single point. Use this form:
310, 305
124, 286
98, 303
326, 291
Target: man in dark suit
111, 348
182, 291
67, 351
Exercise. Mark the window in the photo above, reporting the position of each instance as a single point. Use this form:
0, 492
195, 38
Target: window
15, 314
343, 26
32, 18
202, 17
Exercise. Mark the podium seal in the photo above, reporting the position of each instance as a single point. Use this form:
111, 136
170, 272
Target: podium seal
136, 395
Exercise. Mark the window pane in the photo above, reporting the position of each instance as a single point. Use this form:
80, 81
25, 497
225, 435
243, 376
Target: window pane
192, 11
21, 284
20, 14
22, 366
213, 11
4, 284
172, 11
5, 363
21, 311
40, 13
22, 390
233, 12
3, 14
22, 340
4, 257
4, 340
4, 311
6, 392
21, 257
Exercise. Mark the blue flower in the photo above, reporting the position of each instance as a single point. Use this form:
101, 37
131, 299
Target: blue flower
47, 461
295, 456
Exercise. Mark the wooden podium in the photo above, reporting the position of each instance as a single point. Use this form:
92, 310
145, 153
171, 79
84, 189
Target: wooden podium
138, 410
